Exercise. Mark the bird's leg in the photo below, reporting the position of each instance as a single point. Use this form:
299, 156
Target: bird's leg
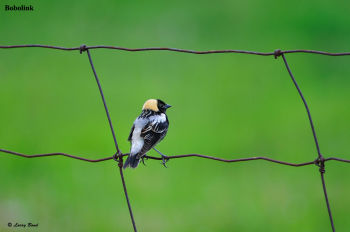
164, 157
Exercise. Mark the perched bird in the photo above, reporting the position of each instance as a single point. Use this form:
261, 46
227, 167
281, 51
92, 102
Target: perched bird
147, 131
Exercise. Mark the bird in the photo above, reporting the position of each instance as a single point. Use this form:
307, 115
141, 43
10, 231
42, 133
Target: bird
149, 128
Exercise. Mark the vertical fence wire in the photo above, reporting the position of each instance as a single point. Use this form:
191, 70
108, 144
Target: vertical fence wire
120, 158
103, 100
305, 104
327, 201
320, 158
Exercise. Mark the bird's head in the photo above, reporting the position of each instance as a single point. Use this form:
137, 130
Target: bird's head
156, 105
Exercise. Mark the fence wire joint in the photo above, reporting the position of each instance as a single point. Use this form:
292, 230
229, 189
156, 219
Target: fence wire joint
277, 53
82, 48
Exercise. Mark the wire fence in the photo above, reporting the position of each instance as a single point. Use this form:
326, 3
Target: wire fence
118, 156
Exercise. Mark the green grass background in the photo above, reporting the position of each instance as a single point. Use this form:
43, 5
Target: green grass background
224, 105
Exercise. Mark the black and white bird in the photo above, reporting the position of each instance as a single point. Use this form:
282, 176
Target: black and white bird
147, 131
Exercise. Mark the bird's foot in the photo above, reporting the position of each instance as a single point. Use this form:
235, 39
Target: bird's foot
143, 160
165, 159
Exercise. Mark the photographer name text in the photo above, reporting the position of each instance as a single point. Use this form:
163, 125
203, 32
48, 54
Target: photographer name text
23, 225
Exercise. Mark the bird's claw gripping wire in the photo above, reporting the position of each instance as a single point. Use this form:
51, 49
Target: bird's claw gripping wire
143, 159
165, 158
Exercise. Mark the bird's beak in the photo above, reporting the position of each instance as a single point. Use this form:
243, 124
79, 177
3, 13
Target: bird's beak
167, 106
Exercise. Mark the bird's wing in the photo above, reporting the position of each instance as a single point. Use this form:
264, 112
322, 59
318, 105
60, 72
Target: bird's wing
152, 134
130, 135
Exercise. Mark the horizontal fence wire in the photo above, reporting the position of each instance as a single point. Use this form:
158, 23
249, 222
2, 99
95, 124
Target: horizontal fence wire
84, 47
315, 162
118, 156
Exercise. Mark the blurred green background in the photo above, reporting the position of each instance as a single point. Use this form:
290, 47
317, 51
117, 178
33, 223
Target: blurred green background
224, 105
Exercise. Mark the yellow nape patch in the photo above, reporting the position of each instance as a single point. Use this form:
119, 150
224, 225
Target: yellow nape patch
151, 104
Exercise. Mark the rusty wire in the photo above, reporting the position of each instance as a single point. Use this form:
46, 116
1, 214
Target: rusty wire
315, 162
118, 156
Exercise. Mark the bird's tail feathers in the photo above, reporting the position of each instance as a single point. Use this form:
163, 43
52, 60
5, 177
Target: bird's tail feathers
132, 161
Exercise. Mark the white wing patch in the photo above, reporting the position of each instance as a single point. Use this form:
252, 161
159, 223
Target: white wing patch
157, 118
136, 140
